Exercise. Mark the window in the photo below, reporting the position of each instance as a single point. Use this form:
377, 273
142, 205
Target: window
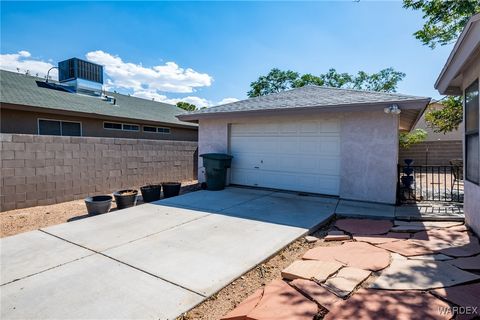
472, 152
163, 130
59, 128
112, 126
156, 129
121, 126
149, 129
130, 127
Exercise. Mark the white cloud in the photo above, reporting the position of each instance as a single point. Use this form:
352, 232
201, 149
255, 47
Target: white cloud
143, 82
162, 78
22, 62
199, 102
227, 100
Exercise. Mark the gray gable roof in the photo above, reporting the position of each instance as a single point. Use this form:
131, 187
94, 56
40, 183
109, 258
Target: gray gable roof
306, 97
20, 89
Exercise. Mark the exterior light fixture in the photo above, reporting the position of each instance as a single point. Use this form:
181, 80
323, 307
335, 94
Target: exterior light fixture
393, 109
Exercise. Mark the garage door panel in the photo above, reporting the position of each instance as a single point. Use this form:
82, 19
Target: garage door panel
330, 146
300, 156
330, 126
309, 127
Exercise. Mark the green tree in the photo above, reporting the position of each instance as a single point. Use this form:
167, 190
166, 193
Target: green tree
445, 19
406, 139
446, 119
186, 106
385, 80
276, 80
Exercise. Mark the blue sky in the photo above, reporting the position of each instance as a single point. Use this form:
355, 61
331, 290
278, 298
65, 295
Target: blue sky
210, 51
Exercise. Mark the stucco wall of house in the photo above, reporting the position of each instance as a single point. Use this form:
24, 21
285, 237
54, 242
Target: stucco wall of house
369, 146
369, 156
471, 204
25, 122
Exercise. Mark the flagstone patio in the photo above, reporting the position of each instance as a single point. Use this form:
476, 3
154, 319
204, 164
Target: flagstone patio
429, 272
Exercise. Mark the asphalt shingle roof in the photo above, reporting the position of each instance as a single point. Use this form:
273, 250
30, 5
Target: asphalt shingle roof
309, 96
16, 88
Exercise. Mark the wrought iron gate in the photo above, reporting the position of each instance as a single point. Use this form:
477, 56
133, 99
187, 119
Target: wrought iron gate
429, 183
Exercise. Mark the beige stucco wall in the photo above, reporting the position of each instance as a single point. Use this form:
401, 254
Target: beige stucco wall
472, 191
369, 146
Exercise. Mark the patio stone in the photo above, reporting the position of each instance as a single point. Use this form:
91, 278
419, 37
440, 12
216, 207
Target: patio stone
368, 304
311, 239
428, 224
364, 226
316, 292
466, 250
421, 275
389, 237
461, 228
281, 301
446, 234
337, 237
411, 248
310, 269
466, 296
407, 228
432, 257
470, 263
245, 307
346, 280
353, 254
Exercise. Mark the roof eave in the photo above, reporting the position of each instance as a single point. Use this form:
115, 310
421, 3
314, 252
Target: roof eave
24, 107
465, 47
419, 104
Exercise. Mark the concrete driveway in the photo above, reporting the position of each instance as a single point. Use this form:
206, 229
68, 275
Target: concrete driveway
154, 261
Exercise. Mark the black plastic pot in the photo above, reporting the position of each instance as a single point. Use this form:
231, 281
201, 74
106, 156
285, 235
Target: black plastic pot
407, 181
151, 192
98, 204
171, 189
125, 198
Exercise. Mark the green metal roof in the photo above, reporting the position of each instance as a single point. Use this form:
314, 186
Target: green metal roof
20, 89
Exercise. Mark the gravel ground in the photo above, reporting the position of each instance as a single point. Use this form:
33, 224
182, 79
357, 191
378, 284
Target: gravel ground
21, 220
229, 297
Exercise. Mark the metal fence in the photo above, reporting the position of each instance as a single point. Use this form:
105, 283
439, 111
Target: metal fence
429, 183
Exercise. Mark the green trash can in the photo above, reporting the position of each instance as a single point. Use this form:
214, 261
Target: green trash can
216, 165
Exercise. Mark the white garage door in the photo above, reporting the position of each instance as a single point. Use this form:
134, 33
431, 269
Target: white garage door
299, 155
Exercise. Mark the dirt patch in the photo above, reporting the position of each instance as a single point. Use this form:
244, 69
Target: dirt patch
21, 220
229, 297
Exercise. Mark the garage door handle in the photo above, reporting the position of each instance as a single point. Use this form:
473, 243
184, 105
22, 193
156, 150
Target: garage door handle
257, 167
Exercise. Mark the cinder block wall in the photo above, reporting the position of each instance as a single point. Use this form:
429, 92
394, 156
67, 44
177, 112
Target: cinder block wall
41, 170
437, 153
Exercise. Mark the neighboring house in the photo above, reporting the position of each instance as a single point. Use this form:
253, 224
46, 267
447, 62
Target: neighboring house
460, 76
438, 149
312, 139
78, 107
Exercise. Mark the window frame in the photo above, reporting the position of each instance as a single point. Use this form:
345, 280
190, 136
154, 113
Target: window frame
157, 129
470, 133
143, 128
59, 120
122, 126
130, 124
114, 129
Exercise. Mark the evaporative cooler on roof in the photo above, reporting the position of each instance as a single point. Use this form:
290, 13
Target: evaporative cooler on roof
86, 77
